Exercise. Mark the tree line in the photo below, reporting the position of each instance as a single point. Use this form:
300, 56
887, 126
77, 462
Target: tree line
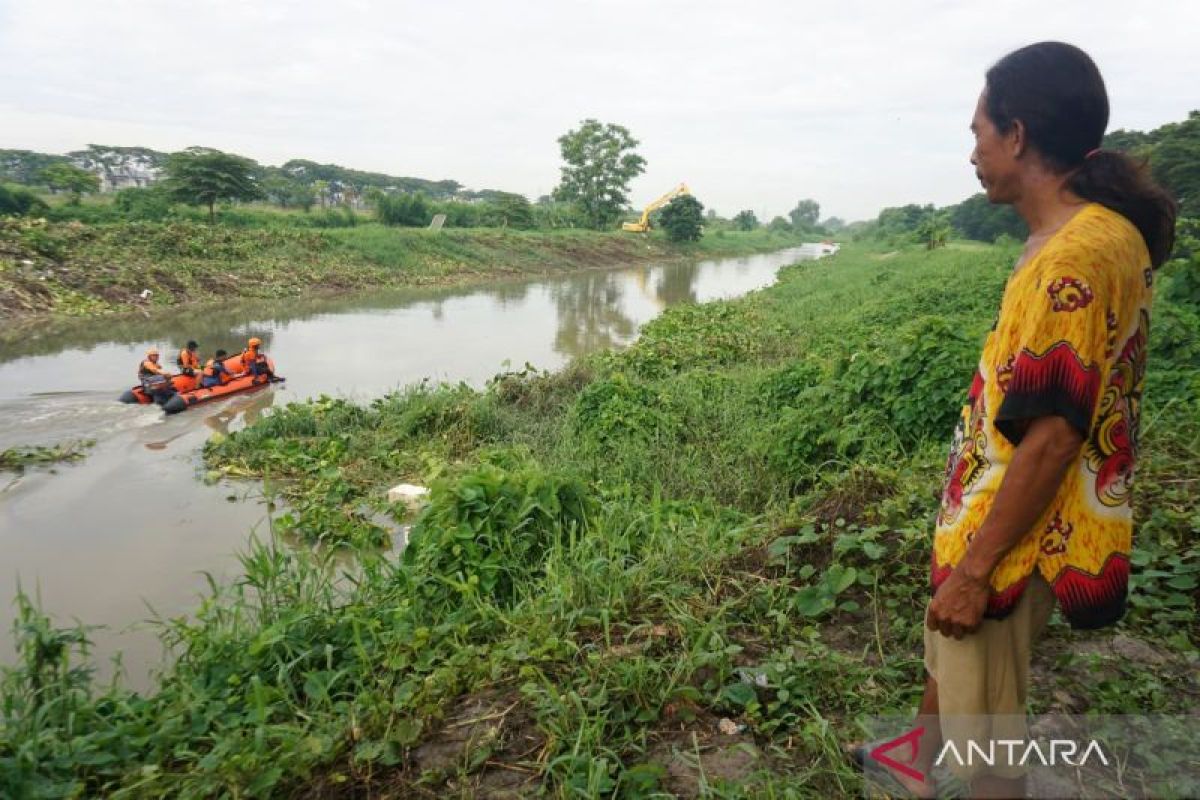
1171, 151
599, 161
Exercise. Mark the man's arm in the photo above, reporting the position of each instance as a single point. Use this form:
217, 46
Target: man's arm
1039, 463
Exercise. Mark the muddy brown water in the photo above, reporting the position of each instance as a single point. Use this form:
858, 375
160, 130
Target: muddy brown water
130, 532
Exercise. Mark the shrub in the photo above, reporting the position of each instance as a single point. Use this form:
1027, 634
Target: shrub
616, 410
689, 336
409, 210
683, 219
151, 204
19, 201
488, 530
921, 386
787, 386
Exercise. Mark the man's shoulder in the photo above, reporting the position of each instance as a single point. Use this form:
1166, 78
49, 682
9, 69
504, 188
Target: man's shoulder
1101, 243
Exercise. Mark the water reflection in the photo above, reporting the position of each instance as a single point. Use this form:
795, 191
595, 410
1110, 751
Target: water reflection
590, 317
676, 287
225, 326
249, 407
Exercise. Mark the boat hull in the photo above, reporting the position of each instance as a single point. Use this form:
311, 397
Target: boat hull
187, 391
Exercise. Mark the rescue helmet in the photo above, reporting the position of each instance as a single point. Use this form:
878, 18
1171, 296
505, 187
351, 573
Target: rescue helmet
152, 352
255, 341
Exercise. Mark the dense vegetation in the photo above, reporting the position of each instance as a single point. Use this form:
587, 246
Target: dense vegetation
690, 566
286, 184
1172, 151
683, 219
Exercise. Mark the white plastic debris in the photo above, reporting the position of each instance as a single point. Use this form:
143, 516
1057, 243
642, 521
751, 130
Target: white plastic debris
753, 677
411, 495
729, 727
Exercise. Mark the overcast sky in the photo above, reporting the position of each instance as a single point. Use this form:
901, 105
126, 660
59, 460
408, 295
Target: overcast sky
859, 105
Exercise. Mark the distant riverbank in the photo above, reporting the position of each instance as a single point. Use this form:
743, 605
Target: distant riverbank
55, 270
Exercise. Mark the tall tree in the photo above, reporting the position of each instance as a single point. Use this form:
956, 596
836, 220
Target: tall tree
25, 166
683, 219
745, 220
202, 177
67, 178
281, 188
600, 163
977, 218
1174, 153
1175, 160
899, 221
805, 215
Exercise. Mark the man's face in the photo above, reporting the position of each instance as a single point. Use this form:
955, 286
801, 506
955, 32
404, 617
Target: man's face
994, 156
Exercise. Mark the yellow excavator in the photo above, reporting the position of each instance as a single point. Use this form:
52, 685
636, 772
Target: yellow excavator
643, 224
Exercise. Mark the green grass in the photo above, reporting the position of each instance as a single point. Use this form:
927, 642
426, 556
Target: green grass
729, 519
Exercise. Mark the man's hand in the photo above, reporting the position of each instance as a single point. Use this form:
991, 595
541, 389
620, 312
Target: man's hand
958, 605
1049, 445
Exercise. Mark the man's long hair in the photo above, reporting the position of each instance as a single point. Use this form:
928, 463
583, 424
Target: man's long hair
1057, 93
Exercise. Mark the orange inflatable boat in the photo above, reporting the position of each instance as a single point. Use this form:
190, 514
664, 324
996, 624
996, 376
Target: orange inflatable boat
187, 392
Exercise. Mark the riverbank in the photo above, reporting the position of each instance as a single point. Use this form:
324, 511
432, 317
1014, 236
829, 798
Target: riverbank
692, 566
54, 270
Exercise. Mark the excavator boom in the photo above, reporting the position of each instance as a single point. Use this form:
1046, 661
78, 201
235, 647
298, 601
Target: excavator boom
643, 224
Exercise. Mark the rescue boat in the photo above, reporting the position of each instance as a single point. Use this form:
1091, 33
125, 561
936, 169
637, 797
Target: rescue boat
188, 391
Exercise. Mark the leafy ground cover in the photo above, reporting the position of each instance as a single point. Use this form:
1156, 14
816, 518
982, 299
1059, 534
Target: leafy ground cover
690, 567
74, 269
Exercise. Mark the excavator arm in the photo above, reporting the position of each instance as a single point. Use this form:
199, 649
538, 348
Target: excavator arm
643, 224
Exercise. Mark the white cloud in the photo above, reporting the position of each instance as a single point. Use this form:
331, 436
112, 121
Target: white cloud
755, 104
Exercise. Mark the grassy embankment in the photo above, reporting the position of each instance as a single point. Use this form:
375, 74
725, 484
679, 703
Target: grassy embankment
688, 567
75, 269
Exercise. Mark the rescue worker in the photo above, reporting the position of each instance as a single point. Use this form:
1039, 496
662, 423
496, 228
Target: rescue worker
214, 373
155, 380
150, 366
254, 361
188, 360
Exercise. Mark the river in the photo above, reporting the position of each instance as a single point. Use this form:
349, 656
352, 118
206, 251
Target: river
130, 532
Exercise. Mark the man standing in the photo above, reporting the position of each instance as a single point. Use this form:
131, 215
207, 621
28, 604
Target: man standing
1036, 506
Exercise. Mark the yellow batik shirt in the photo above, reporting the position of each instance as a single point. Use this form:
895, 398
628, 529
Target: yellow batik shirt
1070, 341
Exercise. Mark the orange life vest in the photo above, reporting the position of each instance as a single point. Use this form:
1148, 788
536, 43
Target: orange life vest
216, 369
188, 359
